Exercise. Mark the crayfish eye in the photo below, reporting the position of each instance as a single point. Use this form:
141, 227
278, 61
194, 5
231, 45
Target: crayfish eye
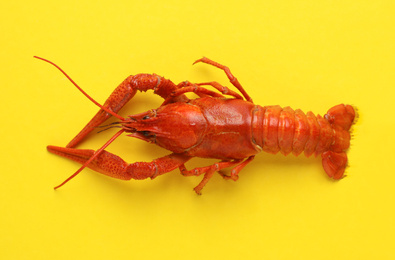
146, 117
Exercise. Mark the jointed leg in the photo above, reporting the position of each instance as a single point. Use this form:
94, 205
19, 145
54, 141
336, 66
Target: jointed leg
222, 89
200, 91
234, 174
208, 172
187, 87
230, 76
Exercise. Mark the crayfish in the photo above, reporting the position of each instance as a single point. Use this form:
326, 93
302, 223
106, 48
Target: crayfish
232, 129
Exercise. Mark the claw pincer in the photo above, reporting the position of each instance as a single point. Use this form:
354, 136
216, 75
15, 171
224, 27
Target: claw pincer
232, 129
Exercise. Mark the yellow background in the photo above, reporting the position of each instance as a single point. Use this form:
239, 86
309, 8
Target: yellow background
305, 54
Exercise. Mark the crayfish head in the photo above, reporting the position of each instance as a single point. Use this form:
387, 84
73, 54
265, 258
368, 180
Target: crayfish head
176, 127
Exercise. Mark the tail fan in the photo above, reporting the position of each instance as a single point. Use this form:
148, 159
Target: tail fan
334, 161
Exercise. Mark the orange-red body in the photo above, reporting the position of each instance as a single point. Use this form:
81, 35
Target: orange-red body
236, 129
232, 129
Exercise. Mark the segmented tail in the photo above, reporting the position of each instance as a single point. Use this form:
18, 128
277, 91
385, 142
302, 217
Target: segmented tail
285, 130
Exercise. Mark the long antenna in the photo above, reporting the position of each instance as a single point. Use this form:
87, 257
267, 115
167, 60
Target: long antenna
97, 153
82, 91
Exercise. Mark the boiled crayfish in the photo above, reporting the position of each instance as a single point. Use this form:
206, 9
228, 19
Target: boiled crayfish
232, 130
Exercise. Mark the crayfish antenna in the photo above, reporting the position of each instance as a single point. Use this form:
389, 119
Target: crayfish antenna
80, 89
91, 158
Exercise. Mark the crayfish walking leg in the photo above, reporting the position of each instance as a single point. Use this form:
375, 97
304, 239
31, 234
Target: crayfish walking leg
229, 74
216, 167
